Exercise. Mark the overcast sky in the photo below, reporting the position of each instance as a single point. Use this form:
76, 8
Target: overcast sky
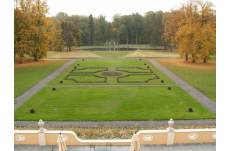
108, 7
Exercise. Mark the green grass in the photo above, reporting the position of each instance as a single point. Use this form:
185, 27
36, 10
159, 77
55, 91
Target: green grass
111, 65
111, 62
204, 79
111, 104
28, 74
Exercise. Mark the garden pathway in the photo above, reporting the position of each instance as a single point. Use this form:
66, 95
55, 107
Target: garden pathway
18, 101
116, 123
200, 97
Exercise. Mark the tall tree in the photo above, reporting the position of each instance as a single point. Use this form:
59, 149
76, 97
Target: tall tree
187, 31
55, 35
126, 21
171, 26
18, 32
39, 34
91, 28
149, 31
70, 34
109, 31
100, 30
85, 34
137, 23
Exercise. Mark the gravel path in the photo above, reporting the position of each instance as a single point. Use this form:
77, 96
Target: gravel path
200, 97
18, 101
116, 123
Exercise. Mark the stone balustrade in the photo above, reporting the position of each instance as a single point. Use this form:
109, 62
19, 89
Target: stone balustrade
169, 136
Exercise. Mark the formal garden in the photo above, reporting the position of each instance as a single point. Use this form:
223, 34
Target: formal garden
121, 71
111, 90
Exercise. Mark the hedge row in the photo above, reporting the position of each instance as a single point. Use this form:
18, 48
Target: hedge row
118, 79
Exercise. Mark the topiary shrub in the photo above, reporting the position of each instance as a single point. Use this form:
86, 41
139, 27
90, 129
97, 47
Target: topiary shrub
61, 81
140, 59
162, 81
75, 67
53, 89
147, 66
144, 63
169, 88
83, 60
78, 64
190, 109
31, 110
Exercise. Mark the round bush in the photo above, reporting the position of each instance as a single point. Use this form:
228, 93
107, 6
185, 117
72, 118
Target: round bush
144, 63
75, 67
61, 81
31, 110
169, 88
147, 66
190, 109
83, 60
162, 81
78, 64
140, 59
53, 89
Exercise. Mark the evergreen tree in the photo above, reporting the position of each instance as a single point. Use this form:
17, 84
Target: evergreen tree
91, 28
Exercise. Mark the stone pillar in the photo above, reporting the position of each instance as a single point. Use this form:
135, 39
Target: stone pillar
41, 133
170, 130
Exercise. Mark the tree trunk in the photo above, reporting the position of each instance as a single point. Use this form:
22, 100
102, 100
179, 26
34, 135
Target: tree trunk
194, 60
136, 37
35, 57
186, 57
170, 47
127, 38
204, 60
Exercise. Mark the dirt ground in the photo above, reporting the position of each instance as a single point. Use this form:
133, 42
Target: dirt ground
198, 64
30, 62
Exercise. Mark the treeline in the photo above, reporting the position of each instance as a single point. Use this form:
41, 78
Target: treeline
191, 28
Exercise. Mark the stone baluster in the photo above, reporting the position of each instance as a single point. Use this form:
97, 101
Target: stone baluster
41, 133
170, 130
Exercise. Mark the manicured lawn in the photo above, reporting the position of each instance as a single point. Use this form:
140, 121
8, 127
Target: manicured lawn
200, 75
29, 73
83, 73
111, 62
111, 103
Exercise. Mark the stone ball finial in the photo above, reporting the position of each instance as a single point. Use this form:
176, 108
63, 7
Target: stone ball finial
41, 124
